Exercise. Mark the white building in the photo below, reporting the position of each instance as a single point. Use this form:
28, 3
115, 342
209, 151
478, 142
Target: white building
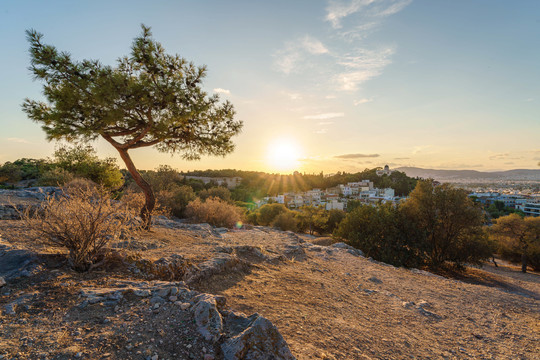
385, 171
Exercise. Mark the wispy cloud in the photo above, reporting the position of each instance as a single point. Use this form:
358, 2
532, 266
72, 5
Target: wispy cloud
18, 140
222, 91
505, 156
361, 66
326, 123
362, 101
321, 131
313, 46
292, 96
337, 10
288, 59
356, 156
324, 116
402, 158
344, 67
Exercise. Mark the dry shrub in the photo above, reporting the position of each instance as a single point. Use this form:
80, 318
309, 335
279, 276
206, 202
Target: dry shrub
135, 200
83, 220
214, 211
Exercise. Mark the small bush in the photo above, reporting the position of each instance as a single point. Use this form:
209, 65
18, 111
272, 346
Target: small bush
286, 221
214, 211
267, 213
81, 220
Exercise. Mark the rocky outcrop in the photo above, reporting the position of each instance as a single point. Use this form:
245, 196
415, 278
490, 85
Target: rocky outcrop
16, 263
237, 335
253, 338
222, 263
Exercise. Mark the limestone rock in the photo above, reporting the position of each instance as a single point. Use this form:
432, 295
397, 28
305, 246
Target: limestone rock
207, 317
253, 338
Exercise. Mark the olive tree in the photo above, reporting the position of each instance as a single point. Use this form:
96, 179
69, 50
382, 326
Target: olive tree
149, 99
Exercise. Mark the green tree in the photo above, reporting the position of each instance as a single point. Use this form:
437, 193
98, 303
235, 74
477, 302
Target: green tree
150, 98
450, 221
523, 233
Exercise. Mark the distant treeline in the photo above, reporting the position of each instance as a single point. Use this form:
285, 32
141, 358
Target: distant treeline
259, 184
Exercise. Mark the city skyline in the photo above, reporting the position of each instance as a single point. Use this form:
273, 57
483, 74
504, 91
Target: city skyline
320, 86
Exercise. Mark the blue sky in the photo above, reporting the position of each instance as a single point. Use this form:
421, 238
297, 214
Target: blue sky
439, 84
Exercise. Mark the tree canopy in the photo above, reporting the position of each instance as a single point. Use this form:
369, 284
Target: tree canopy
150, 98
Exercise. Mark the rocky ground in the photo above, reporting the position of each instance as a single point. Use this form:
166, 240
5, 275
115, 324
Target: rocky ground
326, 301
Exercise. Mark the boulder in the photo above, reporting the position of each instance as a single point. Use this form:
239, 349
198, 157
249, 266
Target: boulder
207, 317
253, 338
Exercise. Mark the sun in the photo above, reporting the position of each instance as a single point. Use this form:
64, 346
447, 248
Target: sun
283, 155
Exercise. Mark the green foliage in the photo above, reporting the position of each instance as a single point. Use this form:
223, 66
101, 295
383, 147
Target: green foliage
150, 98
498, 209
163, 178
383, 233
451, 222
312, 219
286, 221
218, 192
177, 199
23, 169
335, 217
267, 213
518, 239
82, 161
435, 225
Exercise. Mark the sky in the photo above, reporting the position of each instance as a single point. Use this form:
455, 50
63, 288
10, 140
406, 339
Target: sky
320, 85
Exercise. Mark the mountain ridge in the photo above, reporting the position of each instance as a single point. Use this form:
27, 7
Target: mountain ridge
449, 174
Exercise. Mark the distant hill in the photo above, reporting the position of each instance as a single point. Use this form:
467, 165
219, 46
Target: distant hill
472, 175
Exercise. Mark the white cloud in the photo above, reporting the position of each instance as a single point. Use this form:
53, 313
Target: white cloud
313, 46
324, 116
321, 131
18, 140
297, 52
326, 123
361, 66
222, 91
337, 10
362, 101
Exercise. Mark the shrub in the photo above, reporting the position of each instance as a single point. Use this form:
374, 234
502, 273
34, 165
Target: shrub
218, 192
55, 177
267, 213
81, 220
286, 221
82, 161
176, 199
214, 211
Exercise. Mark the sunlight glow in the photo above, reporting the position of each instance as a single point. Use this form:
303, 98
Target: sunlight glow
283, 155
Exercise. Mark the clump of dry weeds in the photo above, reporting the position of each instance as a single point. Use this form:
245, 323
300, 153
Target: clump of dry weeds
83, 220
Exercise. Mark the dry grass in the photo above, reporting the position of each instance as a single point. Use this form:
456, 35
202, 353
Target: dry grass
214, 211
84, 219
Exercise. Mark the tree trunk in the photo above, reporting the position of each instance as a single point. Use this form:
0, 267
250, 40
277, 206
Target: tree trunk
150, 203
524, 262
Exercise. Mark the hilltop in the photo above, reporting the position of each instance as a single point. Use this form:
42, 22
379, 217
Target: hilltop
472, 175
326, 300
